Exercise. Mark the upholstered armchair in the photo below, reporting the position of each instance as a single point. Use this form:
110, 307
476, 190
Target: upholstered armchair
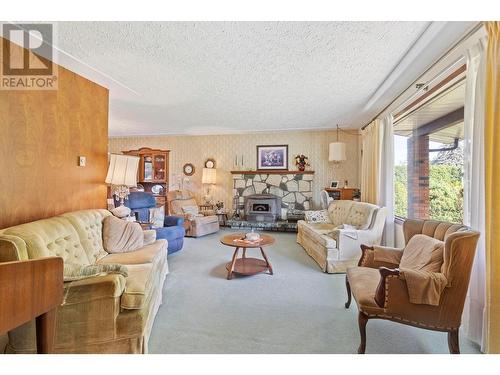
173, 226
199, 223
381, 287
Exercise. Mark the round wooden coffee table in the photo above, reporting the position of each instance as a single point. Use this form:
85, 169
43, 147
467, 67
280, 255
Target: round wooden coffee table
247, 266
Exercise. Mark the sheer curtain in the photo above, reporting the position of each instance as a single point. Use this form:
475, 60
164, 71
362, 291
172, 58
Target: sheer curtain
386, 180
492, 182
473, 320
370, 162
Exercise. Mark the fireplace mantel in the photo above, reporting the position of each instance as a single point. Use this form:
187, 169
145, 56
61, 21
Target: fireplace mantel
272, 171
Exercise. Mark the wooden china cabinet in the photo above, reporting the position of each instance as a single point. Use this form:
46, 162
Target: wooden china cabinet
153, 172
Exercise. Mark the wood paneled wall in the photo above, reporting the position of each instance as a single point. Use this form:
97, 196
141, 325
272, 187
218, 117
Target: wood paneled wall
42, 133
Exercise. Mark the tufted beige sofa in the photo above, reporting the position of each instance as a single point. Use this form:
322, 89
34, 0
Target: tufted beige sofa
335, 249
102, 314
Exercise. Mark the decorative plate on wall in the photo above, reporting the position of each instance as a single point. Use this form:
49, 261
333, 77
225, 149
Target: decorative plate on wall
188, 169
157, 190
210, 163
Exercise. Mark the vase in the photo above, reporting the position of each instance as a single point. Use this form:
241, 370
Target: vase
302, 168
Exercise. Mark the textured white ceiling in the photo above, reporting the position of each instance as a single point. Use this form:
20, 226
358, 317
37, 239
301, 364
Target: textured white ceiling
223, 77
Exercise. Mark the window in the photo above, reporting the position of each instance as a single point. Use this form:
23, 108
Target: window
429, 157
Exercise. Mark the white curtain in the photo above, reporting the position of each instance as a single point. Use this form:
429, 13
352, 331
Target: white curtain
370, 162
473, 319
386, 181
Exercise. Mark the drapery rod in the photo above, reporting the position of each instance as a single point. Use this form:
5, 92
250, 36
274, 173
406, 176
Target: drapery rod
474, 29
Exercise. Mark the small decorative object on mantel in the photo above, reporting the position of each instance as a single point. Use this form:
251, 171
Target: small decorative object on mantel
210, 163
272, 157
188, 169
301, 161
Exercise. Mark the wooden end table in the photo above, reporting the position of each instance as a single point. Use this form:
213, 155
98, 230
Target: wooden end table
32, 289
247, 266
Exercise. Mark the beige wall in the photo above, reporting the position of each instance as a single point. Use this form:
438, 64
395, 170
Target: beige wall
224, 148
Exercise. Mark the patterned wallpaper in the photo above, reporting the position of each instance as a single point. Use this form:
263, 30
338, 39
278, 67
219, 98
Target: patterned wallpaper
225, 148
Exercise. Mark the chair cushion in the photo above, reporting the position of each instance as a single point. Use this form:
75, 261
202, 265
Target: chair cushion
364, 282
138, 286
170, 233
146, 254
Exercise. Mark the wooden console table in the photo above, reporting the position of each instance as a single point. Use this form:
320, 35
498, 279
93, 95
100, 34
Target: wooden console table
31, 289
342, 193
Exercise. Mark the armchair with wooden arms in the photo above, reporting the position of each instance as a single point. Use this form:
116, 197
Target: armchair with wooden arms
380, 289
198, 223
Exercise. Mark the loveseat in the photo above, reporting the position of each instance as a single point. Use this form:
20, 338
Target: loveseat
107, 313
334, 242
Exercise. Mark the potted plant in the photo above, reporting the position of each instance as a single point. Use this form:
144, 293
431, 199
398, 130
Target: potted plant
301, 161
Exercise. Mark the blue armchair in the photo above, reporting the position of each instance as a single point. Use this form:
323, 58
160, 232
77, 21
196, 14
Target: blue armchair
173, 230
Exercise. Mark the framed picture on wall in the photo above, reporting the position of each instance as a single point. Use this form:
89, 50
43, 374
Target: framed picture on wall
272, 157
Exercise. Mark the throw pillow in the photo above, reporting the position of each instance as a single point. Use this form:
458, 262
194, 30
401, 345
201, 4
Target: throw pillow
120, 236
423, 253
74, 272
157, 216
320, 216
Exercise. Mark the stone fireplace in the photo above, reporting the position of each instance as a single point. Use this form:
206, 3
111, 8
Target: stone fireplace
262, 208
293, 190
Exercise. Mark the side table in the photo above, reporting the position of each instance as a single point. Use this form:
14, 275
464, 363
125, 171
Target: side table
222, 218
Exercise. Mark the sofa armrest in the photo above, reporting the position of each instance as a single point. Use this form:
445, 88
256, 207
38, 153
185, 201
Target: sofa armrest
380, 294
171, 221
93, 288
12, 248
349, 241
149, 236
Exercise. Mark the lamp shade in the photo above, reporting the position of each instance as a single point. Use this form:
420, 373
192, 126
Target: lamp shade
122, 170
336, 151
209, 176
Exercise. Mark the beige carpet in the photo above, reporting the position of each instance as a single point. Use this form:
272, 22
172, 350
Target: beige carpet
297, 310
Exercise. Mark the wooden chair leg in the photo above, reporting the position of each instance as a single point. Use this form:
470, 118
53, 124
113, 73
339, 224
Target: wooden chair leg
362, 320
453, 344
348, 287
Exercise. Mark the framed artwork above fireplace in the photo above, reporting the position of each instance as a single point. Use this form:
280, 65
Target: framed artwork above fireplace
271, 157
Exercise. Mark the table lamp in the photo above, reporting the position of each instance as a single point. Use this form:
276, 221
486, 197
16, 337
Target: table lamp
122, 174
209, 178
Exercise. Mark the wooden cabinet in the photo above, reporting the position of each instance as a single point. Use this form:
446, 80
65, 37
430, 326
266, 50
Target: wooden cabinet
153, 172
342, 193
